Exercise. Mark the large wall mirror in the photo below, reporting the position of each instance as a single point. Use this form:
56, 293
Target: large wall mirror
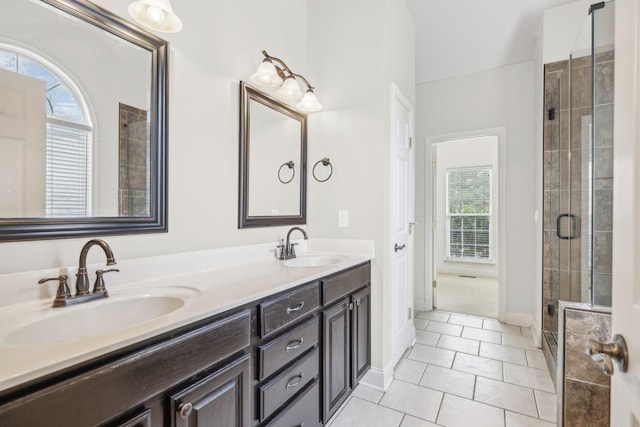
273, 161
82, 122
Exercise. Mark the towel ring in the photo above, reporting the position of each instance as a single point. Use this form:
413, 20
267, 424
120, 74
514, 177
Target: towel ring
290, 165
325, 162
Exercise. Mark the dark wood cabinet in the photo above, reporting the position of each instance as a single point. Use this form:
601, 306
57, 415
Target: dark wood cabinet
221, 399
285, 360
346, 335
336, 372
105, 393
304, 411
275, 354
280, 311
288, 358
361, 338
140, 419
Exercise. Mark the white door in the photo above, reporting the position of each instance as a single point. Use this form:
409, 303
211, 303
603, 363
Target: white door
402, 219
625, 387
22, 144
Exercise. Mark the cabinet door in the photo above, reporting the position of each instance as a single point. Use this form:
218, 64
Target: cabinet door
361, 339
336, 356
221, 399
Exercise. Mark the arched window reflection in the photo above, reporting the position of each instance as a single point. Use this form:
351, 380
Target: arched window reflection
68, 135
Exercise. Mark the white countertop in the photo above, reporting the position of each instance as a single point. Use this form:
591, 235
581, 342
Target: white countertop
209, 282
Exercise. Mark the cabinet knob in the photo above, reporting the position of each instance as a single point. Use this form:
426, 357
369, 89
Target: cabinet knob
184, 410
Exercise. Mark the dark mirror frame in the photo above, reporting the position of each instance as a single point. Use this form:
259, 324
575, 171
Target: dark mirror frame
248, 94
17, 229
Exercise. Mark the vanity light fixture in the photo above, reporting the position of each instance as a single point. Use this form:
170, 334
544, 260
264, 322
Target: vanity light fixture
156, 15
281, 76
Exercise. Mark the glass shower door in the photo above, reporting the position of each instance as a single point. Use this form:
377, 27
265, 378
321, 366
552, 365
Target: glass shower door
578, 172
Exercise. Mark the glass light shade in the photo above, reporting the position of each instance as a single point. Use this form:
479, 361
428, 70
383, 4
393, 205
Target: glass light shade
266, 75
309, 102
290, 90
156, 15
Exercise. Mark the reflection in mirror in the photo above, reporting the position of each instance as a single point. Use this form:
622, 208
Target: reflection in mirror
82, 122
273, 146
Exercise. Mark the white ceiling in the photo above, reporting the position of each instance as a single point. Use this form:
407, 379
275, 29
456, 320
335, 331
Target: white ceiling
459, 37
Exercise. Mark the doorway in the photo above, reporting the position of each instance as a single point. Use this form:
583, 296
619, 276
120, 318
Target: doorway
465, 235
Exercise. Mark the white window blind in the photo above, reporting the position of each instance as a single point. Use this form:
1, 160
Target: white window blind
469, 213
68, 169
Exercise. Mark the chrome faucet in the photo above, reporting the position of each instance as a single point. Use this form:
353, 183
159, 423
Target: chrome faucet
287, 250
63, 295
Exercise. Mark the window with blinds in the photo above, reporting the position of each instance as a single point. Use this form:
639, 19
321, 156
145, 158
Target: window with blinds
469, 220
68, 169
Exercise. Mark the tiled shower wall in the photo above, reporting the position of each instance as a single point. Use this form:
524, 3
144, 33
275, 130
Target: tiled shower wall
134, 162
583, 389
567, 146
603, 179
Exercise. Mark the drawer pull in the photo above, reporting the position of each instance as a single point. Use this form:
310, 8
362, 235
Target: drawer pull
184, 410
294, 344
295, 381
296, 308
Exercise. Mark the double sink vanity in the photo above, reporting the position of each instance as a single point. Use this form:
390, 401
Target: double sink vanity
225, 337
209, 340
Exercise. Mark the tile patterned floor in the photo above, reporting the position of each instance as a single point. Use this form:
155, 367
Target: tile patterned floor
462, 371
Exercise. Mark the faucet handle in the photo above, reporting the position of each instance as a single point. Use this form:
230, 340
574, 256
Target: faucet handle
292, 250
98, 286
283, 250
63, 291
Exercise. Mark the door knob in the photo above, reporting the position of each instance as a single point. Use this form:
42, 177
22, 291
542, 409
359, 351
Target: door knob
605, 352
398, 247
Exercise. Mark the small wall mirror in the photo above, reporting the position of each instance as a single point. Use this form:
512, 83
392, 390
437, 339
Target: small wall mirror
273, 161
82, 122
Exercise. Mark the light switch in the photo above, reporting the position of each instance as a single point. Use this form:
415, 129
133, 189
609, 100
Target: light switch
343, 219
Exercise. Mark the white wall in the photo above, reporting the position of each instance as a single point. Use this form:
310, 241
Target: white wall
357, 60
498, 98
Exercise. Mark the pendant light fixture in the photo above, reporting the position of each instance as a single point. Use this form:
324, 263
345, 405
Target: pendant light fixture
281, 76
157, 15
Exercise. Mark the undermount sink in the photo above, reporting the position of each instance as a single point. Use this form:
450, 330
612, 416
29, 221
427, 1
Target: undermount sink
98, 317
314, 260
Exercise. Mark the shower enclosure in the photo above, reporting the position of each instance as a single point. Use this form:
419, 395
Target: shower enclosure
578, 172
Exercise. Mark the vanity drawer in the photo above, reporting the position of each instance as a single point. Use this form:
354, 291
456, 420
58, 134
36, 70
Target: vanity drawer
286, 385
304, 411
282, 350
286, 308
342, 284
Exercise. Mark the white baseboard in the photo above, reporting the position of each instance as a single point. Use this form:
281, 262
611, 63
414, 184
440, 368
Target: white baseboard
519, 319
537, 335
527, 321
378, 379
419, 305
